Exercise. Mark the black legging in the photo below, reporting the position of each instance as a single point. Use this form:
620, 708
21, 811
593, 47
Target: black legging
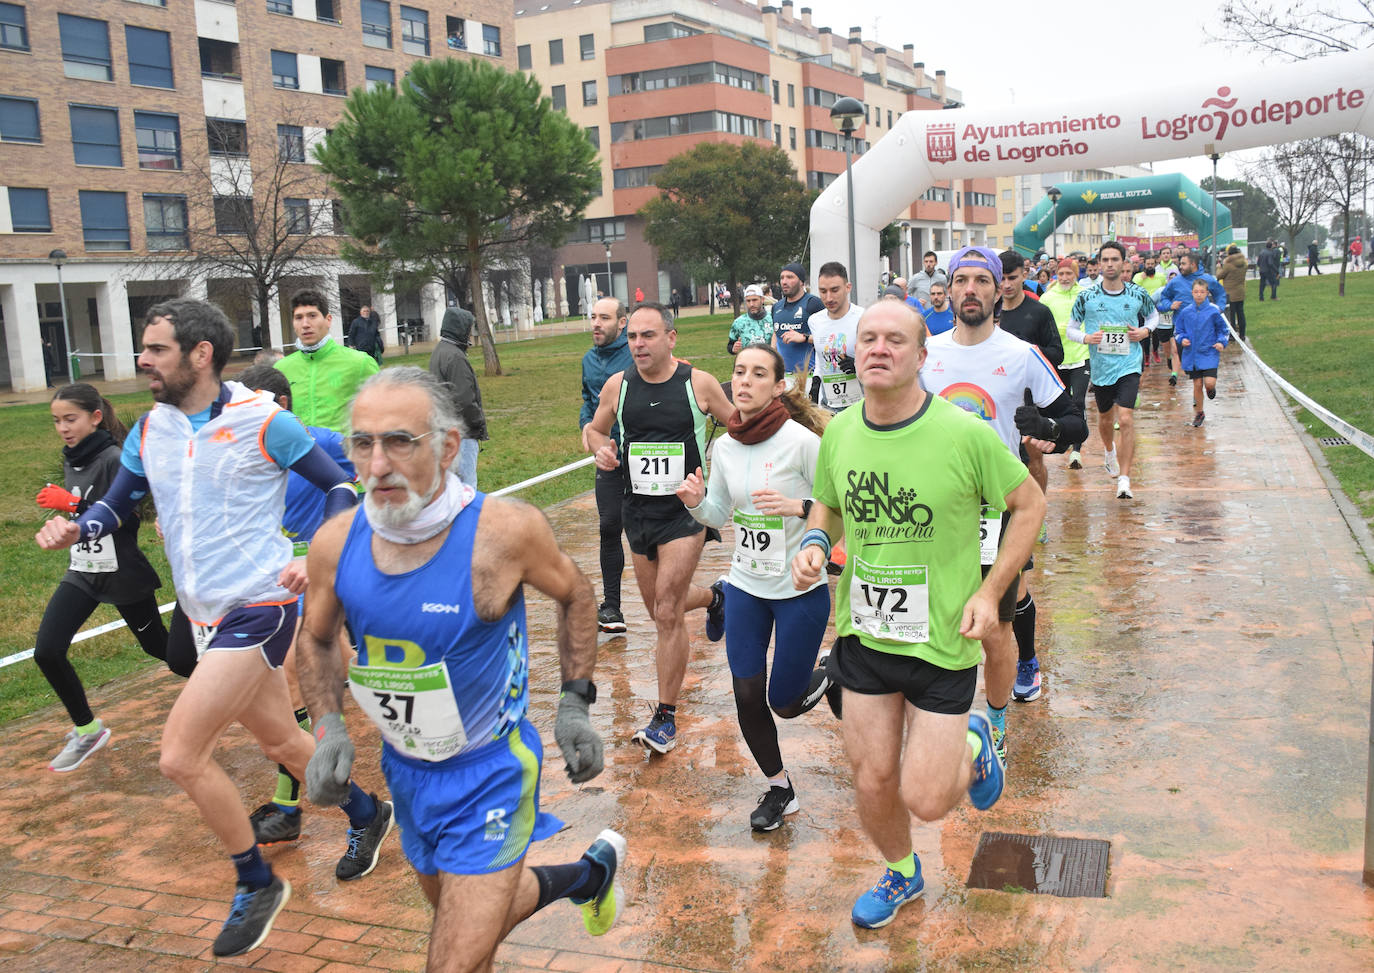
1076, 381
610, 494
67, 611
1235, 313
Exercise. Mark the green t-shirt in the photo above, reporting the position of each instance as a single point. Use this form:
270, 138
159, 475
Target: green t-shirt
910, 496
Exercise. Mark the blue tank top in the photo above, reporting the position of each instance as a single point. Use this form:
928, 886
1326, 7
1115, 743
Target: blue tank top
426, 616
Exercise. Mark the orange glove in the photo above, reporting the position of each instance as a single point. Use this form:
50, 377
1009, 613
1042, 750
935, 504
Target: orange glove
56, 498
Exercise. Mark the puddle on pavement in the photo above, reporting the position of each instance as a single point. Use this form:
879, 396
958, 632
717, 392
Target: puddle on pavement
1066, 867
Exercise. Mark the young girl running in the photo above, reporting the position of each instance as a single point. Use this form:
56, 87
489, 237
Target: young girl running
111, 570
762, 474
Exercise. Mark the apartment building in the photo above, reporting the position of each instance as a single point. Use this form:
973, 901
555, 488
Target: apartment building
1085, 233
129, 127
649, 79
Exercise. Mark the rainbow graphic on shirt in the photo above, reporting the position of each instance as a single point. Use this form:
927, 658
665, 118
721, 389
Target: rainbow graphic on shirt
971, 398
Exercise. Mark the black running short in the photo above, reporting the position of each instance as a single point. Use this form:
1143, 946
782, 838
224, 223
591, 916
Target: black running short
1123, 393
1165, 332
925, 685
645, 533
1203, 373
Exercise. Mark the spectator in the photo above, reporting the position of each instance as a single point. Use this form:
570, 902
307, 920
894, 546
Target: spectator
1232, 278
639, 295
1313, 255
919, 287
449, 363
1270, 267
365, 333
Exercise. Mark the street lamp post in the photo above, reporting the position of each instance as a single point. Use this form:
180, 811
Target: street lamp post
1054, 192
610, 281
1215, 156
906, 249
845, 115
58, 257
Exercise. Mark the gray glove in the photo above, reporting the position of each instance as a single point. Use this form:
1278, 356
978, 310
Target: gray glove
326, 776
581, 746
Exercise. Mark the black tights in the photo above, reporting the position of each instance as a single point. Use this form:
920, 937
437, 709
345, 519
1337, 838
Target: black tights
67, 611
756, 721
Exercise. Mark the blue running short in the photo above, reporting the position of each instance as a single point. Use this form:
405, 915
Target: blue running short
269, 629
472, 814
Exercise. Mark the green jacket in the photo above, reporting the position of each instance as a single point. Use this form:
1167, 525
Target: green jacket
324, 382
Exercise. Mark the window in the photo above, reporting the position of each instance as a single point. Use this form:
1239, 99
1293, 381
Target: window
150, 57
159, 140
85, 48
414, 31
379, 76
164, 222
337, 212
663, 32
14, 34
599, 231
791, 96
325, 12
297, 216
688, 124
589, 92
792, 138
777, 135
491, 40
455, 30
104, 220
555, 52
825, 139
280, 7
819, 180
291, 143
332, 77
560, 97
233, 214
219, 59
586, 43
376, 23
889, 118
29, 211
705, 72
634, 177
1006, 194
95, 136
522, 57
284, 73
19, 120
226, 136
1006, 217
594, 136
982, 199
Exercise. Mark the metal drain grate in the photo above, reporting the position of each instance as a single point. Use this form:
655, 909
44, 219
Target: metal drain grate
1334, 441
1066, 867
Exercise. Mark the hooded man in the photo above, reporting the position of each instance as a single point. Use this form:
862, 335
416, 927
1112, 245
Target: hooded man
449, 363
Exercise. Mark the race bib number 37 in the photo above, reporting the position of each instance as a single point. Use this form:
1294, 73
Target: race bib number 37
1115, 340
656, 469
890, 602
414, 708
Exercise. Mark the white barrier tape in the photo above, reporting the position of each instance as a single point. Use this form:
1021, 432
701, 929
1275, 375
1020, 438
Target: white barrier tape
10, 660
1357, 437
134, 354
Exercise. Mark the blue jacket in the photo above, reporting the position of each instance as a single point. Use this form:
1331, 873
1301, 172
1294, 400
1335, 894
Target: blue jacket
598, 365
1203, 327
1181, 289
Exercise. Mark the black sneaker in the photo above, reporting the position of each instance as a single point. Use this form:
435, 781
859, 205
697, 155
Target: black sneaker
272, 825
250, 917
609, 619
779, 801
715, 616
364, 844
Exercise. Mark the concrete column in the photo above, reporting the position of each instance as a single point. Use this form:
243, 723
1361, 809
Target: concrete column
197, 289
385, 305
273, 328
116, 334
23, 340
432, 308
329, 287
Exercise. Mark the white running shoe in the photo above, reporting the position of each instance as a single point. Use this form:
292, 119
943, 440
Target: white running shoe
78, 748
1075, 460
1109, 461
1123, 488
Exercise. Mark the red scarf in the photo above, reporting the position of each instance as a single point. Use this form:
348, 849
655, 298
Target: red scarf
761, 426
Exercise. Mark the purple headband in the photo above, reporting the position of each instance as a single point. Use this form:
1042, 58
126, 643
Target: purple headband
979, 257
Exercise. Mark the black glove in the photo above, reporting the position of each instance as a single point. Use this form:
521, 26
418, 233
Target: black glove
1029, 421
847, 365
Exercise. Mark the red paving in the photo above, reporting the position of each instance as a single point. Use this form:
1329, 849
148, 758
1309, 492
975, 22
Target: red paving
1207, 664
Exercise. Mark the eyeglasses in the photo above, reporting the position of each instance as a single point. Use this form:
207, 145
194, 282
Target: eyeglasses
396, 445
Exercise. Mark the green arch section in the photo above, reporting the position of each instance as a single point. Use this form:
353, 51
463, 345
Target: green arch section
1174, 190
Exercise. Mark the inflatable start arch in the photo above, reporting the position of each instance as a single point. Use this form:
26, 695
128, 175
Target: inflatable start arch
1279, 104
1174, 190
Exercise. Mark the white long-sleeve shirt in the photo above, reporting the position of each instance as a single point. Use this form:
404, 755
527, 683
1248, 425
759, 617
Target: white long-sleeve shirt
785, 462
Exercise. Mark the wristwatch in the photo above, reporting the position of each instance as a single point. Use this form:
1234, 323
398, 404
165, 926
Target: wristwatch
806, 508
583, 687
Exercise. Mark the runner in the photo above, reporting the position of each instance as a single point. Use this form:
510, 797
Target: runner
761, 477
110, 571
661, 406
609, 354
1073, 372
833, 333
792, 335
1112, 320
1202, 334
754, 326
431, 578
1001, 379
903, 477
215, 456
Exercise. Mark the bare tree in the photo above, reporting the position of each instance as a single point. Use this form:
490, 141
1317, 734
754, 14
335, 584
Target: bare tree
1344, 162
1291, 175
1297, 31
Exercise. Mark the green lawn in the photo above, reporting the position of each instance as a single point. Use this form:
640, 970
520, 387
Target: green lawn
531, 415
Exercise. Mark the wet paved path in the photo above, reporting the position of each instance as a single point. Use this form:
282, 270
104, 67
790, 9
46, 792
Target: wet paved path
1207, 659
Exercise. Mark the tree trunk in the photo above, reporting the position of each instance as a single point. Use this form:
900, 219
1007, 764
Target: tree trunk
491, 362
1345, 242
264, 297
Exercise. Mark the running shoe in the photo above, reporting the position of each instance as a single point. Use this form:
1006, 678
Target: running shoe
1156, 356
816, 689
1027, 685
365, 844
660, 735
1198, 419
999, 743
834, 695
989, 773
78, 747
1173, 378
251, 916
878, 906
773, 806
1044, 537
715, 617
1075, 460
272, 825
1123, 488
1112, 466
600, 911
609, 619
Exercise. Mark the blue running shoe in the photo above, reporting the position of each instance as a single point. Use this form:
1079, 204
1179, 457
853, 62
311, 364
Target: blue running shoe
600, 911
988, 772
1027, 681
715, 617
878, 906
660, 735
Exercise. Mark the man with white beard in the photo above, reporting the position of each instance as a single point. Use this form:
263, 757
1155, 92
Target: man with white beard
431, 579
